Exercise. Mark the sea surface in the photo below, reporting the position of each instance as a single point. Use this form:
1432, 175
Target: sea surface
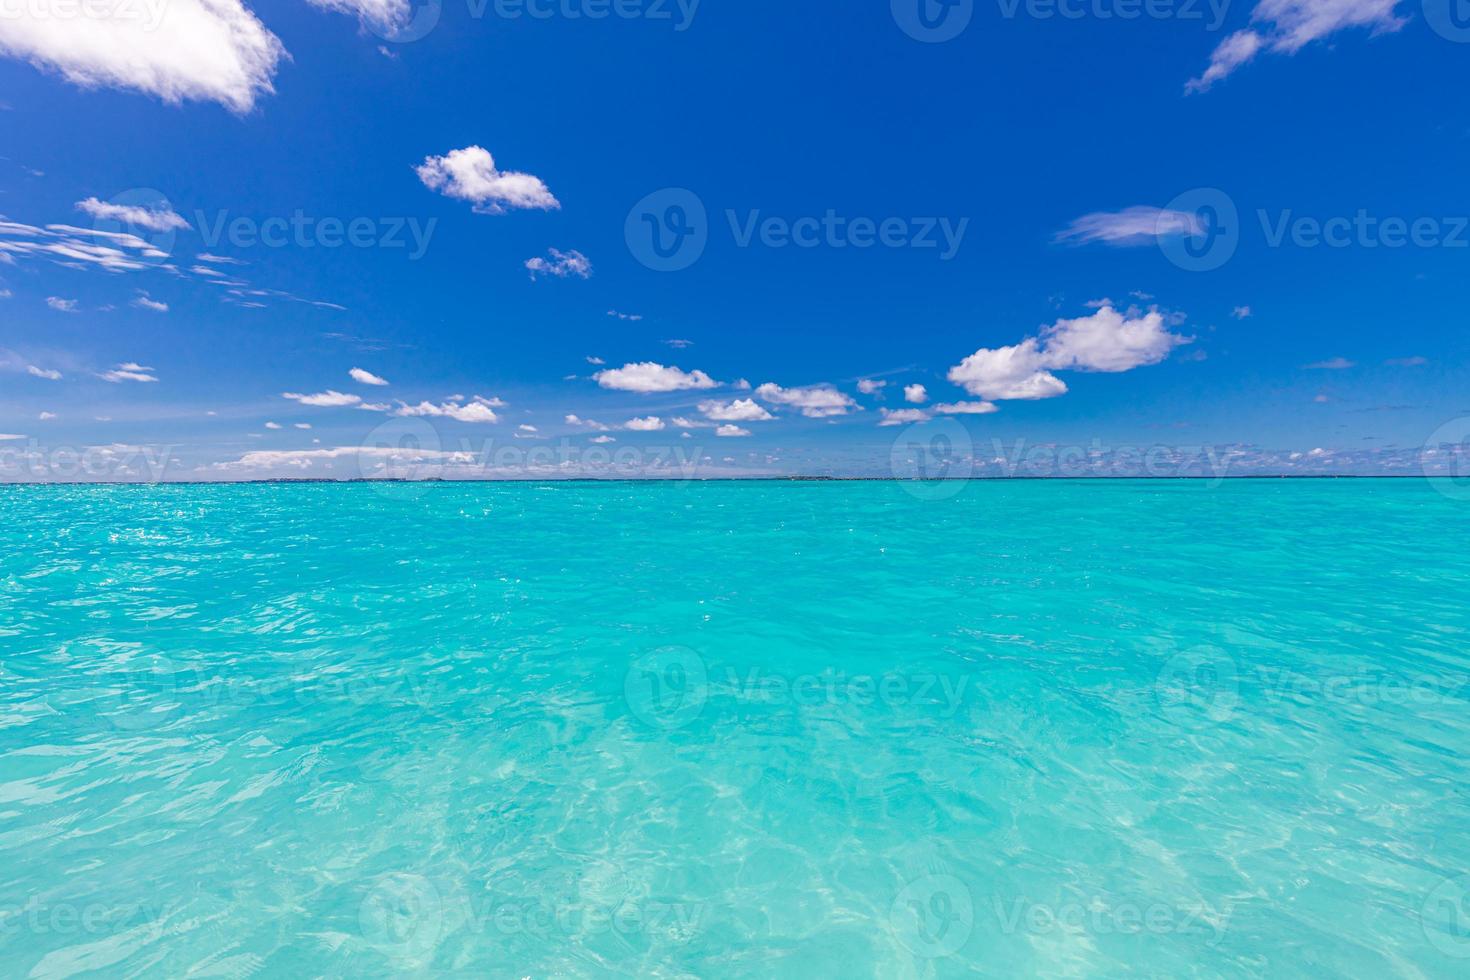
1000, 729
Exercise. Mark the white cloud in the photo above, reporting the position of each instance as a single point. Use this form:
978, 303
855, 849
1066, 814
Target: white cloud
903, 416
915, 394
1014, 372
625, 316
469, 174
602, 440
1107, 341
128, 371
302, 425
62, 305
731, 431
1331, 364
679, 343
586, 423
46, 373
217, 259
740, 410
561, 264
1415, 361
527, 428
9, 437
647, 377
595, 361
46, 416
207, 50
814, 401
273, 425
384, 17
966, 408
326, 399
77, 247
651, 424
479, 410
5, 293
154, 219
868, 386
145, 302
1241, 312
1138, 225
366, 377
1287, 26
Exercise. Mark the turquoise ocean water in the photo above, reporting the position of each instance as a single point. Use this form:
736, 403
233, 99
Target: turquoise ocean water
735, 730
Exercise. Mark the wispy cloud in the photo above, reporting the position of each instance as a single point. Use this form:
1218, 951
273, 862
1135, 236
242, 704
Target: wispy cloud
1138, 225
129, 371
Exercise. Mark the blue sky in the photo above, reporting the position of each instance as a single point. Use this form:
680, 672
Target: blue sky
1049, 190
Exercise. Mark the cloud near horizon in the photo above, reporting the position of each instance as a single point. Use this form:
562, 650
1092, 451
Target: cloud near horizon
649, 377
1108, 341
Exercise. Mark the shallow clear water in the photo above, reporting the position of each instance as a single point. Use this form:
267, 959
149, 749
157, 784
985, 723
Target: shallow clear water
795, 729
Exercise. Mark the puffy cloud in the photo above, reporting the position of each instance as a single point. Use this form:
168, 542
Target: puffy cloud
603, 440
61, 305
205, 50
915, 394
647, 377
154, 219
903, 416
740, 410
868, 386
651, 424
326, 399
814, 401
731, 432
128, 371
481, 410
1014, 372
1287, 26
469, 174
145, 302
1138, 225
366, 377
1110, 341
561, 264
1107, 341
1331, 364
